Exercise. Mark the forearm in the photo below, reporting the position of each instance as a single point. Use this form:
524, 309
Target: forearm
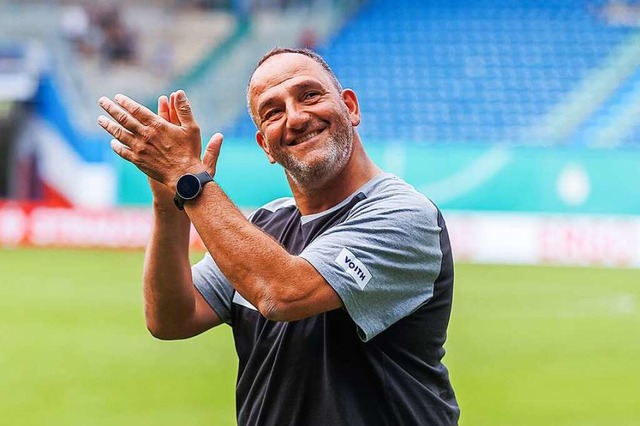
168, 289
278, 284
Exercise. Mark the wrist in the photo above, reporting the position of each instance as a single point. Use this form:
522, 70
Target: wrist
192, 169
189, 187
165, 208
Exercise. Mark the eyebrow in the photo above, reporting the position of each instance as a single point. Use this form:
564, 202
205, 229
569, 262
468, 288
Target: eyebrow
301, 86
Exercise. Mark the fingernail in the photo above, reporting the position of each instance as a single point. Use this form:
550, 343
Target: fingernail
102, 120
181, 95
118, 98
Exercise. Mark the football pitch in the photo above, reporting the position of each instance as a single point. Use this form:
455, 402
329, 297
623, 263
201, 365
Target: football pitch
527, 346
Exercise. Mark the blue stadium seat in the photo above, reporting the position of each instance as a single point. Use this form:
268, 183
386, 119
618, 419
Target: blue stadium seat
464, 70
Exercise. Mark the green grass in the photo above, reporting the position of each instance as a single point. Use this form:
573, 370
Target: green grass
527, 346
75, 350
546, 346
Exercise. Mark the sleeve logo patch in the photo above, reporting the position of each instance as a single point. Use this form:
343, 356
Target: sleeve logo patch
354, 267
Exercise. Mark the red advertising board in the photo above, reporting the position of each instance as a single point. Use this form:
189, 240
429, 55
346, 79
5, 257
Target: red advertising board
475, 237
27, 224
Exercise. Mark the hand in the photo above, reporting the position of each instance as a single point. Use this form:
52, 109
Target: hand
167, 110
162, 193
163, 149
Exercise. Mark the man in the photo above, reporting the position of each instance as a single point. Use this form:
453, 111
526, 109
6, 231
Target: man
339, 298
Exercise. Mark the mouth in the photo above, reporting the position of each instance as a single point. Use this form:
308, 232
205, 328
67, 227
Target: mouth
305, 138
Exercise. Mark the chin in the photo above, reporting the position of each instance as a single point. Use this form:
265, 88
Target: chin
312, 176
319, 166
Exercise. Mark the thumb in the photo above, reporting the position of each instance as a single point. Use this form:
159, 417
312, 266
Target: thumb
184, 112
212, 152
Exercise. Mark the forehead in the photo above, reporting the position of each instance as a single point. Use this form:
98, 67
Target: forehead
283, 67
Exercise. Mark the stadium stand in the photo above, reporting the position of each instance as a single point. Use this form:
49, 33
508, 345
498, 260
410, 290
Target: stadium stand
465, 70
518, 118
152, 44
92, 49
534, 72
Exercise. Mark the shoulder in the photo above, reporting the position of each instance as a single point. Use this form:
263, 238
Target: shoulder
391, 198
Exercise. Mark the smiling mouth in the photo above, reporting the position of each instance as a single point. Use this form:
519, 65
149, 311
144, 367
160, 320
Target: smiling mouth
305, 138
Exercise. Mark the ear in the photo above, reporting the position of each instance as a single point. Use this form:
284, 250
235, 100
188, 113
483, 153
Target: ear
265, 147
351, 101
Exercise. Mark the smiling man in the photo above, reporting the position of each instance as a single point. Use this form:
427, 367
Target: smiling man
339, 298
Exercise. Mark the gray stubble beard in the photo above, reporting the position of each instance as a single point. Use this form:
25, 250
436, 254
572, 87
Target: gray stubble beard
309, 177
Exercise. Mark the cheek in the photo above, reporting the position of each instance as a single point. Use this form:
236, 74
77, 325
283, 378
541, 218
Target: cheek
343, 112
271, 142
272, 133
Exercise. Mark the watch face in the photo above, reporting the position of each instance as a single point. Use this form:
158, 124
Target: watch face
188, 186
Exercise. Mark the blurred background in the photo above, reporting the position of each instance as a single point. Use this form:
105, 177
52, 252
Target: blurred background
519, 119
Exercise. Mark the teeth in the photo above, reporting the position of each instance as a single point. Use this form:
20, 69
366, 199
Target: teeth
306, 137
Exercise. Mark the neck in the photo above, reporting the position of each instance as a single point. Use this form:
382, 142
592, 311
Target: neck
358, 171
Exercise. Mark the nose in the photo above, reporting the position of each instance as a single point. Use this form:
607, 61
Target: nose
297, 117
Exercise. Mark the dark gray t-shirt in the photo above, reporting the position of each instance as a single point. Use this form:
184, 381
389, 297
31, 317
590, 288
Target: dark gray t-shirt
385, 251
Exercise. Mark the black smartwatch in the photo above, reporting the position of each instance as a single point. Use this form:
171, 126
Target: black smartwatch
189, 186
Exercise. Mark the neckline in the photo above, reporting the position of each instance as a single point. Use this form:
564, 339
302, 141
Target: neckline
310, 217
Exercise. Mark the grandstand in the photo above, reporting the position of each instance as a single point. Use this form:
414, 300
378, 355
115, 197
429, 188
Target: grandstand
524, 107
201, 47
475, 71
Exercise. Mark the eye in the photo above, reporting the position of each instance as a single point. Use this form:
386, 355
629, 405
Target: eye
270, 114
310, 95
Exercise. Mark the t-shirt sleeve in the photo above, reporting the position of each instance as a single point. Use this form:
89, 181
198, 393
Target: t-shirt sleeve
214, 287
382, 260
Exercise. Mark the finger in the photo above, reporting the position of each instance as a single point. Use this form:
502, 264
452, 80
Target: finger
120, 115
117, 131
141, 113
122, 150
163, 107
184, 112
173, 110
212, 152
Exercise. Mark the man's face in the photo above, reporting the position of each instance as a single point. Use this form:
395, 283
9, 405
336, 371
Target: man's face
304, 123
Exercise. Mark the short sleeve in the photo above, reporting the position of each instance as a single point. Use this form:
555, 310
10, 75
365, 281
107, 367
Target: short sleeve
214, 287
382, 260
